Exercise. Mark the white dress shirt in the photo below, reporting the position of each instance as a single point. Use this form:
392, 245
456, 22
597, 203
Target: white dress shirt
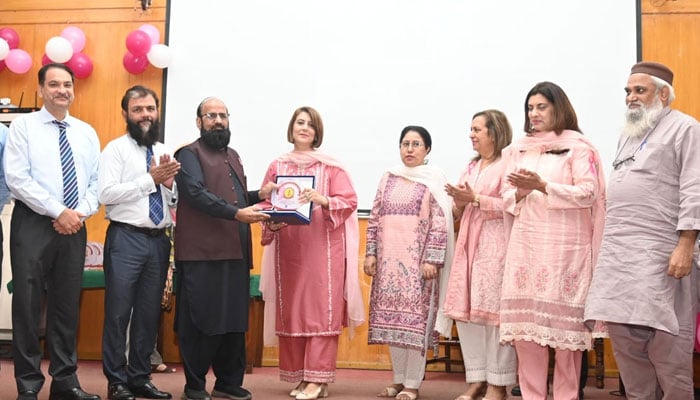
124, 184
32, 161
4, 191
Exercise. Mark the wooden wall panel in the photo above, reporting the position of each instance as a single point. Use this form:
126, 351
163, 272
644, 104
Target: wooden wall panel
92, 318
65, 16
670, 6
674, 39
56, 5
106, 24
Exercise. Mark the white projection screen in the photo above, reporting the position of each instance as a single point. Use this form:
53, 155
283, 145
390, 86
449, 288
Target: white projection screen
371, 67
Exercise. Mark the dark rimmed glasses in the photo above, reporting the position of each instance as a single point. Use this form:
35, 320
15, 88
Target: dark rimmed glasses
619, 163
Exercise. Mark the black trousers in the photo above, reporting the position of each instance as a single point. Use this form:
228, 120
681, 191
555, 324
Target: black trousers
45, 266
224, 353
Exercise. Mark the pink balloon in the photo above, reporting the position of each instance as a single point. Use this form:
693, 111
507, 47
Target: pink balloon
76, 37
11, 36
135, 64
2, 65
81, 65
45, 60
138, 43
18, 61
152, 32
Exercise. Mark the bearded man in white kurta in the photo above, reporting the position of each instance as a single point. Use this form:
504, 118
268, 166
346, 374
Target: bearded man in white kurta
644, 284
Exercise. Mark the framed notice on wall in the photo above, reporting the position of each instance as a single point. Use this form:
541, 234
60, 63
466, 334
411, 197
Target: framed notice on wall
286, 204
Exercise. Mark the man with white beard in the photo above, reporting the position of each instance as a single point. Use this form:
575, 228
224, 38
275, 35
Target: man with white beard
136, 185
644, 283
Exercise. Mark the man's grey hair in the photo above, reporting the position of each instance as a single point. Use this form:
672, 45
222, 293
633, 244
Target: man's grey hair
660, 83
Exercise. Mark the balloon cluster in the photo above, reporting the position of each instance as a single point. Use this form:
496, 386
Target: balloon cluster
15, 59
144, 46
68, 49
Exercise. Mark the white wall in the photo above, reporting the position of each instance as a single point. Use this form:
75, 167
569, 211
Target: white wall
372, 67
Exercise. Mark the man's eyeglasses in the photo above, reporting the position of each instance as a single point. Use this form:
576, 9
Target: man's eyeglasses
619, 163
415, 145
212, 116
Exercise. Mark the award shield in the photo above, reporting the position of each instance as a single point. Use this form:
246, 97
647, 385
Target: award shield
286, 206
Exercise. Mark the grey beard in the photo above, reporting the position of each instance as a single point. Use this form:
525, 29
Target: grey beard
639, 121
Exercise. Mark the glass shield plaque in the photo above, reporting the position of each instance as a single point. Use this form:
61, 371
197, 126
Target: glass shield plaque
286, 206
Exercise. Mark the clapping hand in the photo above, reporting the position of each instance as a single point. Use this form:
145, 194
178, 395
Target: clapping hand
462, 194
164, 173
527, 181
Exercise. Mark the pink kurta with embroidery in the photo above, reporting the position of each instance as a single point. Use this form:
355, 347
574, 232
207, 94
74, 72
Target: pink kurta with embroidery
474, 288
406, 229
310, 259
554, 239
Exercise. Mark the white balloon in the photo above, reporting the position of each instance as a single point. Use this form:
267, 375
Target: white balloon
160, 56
59, 49
4, 48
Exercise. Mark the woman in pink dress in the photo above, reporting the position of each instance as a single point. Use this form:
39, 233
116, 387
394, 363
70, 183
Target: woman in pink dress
310, 272
474, 290
554, 197
409, 235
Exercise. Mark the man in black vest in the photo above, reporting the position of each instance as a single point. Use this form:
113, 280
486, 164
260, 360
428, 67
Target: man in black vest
213, 257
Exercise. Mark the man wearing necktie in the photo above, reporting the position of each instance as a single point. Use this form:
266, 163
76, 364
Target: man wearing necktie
136, 185
51, 161
4, 191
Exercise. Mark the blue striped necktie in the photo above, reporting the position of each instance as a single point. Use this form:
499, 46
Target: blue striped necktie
155, 201
70, 179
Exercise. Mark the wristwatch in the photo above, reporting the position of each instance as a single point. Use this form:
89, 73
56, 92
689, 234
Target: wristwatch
475, 202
